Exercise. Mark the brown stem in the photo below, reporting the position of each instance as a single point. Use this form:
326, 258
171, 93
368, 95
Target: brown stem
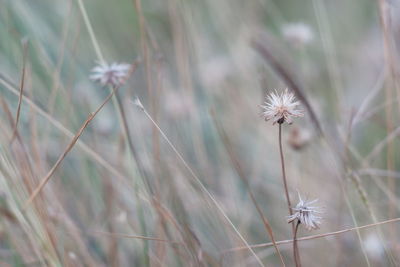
235, 161
125, 127
295, 247
21, 89
284, 172
45, 179
280, 122
312, 237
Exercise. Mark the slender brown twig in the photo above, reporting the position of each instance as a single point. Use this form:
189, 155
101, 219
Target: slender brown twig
392, 84
243, 177
284, 172
21, 87
295, 248
12, 88
131, 146
197, 179
119, 235
146, 52
45, 179
311, 237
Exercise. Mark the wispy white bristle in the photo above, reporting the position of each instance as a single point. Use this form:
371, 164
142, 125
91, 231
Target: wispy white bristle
306, 214
138, 103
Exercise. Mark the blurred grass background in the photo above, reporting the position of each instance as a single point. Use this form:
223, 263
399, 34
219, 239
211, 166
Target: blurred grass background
198, 77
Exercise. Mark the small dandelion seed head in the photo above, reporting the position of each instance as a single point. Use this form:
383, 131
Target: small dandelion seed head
281, 107
114, 74
306, 214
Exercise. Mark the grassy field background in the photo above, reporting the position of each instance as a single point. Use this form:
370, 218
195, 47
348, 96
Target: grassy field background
123, 197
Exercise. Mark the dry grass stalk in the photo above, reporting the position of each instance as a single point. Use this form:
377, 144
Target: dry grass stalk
21, 86
196, 178
45, 179
235, 161
311, 237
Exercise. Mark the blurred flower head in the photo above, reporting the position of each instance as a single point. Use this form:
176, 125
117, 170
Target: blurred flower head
281, 107
299, 138
72, 255
306, 214
178, 104
297, 34
114, 74
215, 70
373, 246
122, 217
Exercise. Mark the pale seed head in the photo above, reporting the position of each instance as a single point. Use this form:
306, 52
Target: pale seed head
114, 74
306, 214
281, 107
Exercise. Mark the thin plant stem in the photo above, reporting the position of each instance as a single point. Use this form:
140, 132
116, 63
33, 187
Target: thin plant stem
295, 248
21, 87
312, 237
284, 172
12, 88
239, 170
392, 84
91, 32
119, 235
197, 179
142, 173
329, 47
45, 179
116, 103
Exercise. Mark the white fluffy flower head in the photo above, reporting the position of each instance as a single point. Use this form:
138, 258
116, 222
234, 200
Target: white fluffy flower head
113, 74
306, 214
281, 107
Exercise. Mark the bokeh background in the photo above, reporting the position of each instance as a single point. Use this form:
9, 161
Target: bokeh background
201, 79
